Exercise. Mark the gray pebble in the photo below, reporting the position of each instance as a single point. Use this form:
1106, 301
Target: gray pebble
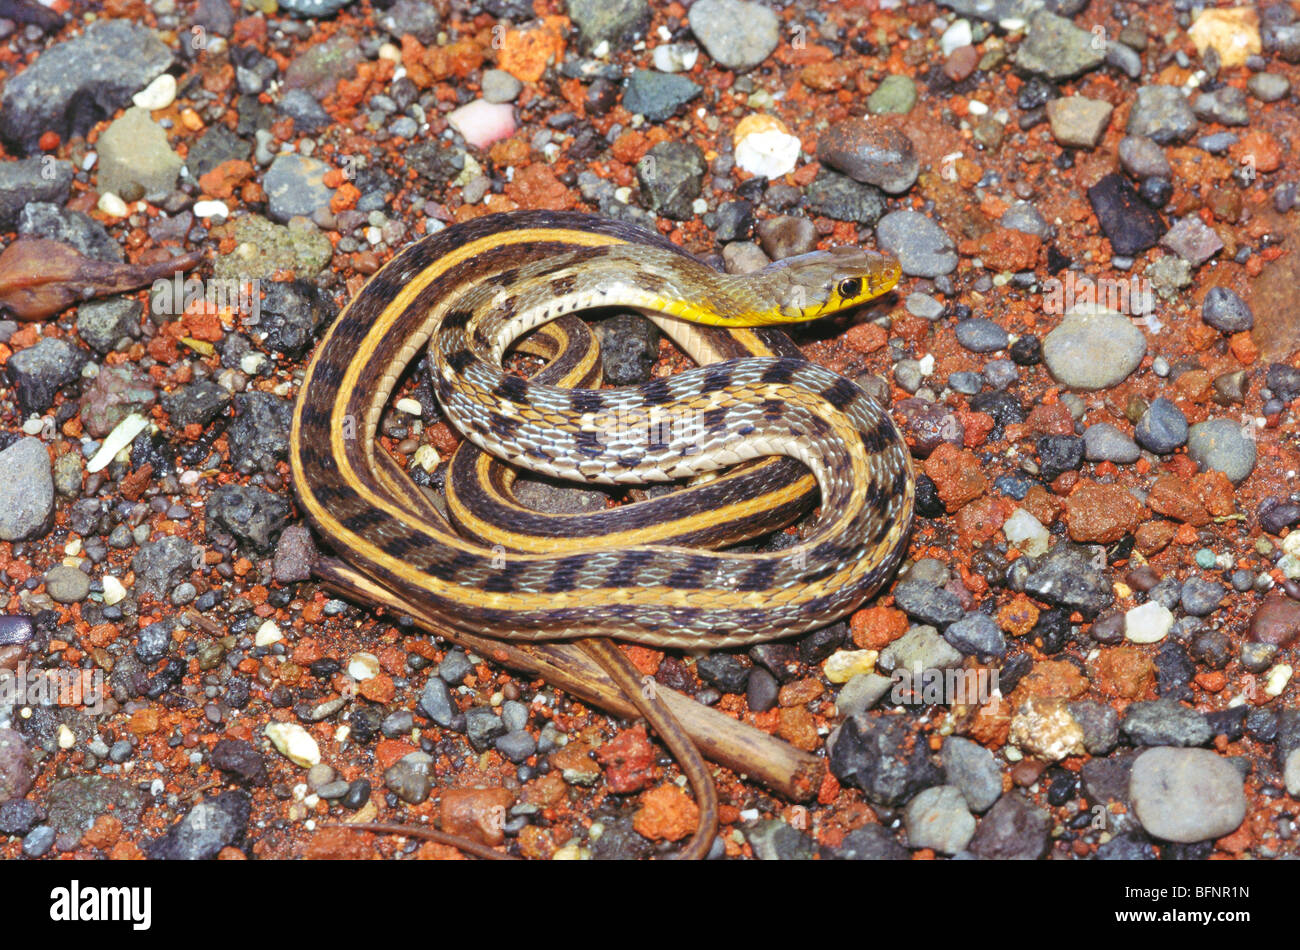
921, 246
972, 768
980, 335
1223, 445
1186, 795
1162, 428
1090, 351
1102, 442
26, 490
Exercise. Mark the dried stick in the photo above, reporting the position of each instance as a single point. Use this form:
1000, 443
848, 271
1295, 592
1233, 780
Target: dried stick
776, 764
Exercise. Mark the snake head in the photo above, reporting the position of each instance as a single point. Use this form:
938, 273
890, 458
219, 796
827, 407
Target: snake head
824, 282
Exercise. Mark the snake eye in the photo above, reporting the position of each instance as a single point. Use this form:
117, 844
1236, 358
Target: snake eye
850, 287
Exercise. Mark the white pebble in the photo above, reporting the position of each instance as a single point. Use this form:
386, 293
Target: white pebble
1277, 679
67, 738
114, 592
1148, 623
409, 406
764, 147
294, 743
267, 634
34, 425
211, 209
955, 37
159, 94
426, 456
121, 436
1026, 533
363, 666
111, 204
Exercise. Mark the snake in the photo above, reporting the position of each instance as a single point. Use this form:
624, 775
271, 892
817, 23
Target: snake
763, 433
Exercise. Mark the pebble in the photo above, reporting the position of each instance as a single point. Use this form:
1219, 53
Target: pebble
40, 219
1162, 428
671, 176
658, 96
921, 246
980, 335
971, 768
786, 236
1099, 723
1226, 105
761, 690
840, 197
938, 819
17, 773
499, 86
252, 516
102, 324
1026, 533
481, 123
238, 758
1143, 158
1186, 795
1013, 829
1269, 87
1165, 722
1201, 597
923, 306
294, 743
861, 693
67, 585
977, 634
1193, 240
26, 490
1223, 445
41, 370
675, 57
774, 840
135, 159
870, 843
1093, 349
1067, 577
76, 83
1130, 224
1162, 114
921, 648
295, 186
1078, 122
1224, 310
1148, 623
1056, 49
736, 34
896, 94
31, 180
871, 153
1103, 442
1024, 217
884, 757
616, 22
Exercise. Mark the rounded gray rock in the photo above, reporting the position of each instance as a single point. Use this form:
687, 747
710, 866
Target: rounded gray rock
972, 768
26, 490
735, 33
1186, 795
1093, 349
937, 818
921, 246
1223, 445
66, 585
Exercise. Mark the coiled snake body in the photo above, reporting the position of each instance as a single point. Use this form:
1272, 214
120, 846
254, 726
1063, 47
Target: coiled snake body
786, 430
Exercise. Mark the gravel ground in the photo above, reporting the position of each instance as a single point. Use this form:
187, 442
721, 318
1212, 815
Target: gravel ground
1093, 353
